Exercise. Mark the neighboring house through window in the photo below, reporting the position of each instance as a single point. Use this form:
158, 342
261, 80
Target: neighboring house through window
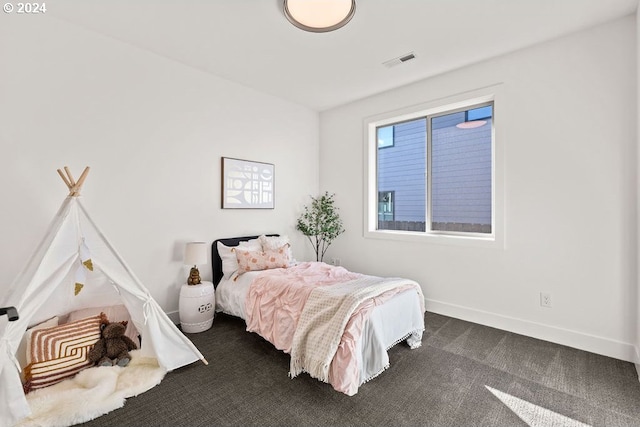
435, 171
385, 206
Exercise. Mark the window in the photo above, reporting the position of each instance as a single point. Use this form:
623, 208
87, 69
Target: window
385, 137
461, 145
432, 172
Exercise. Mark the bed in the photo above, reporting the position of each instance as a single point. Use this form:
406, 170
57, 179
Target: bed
336, 325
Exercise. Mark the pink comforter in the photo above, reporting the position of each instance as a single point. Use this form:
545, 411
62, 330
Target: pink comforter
277, 296
276, 299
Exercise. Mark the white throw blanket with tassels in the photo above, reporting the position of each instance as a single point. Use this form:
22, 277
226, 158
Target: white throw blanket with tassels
91, 393
324, 317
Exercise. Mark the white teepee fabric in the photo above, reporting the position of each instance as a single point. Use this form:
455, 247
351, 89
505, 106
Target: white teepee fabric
46, 288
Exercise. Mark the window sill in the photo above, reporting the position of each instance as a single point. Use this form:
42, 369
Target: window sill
490, 241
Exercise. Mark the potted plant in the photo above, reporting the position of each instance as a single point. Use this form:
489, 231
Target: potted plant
321, 223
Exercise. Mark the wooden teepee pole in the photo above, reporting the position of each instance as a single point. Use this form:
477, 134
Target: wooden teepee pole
73, 186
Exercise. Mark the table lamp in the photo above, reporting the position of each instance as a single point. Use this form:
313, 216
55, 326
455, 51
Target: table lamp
195, 253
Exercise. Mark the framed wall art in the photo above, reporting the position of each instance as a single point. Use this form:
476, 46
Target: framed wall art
247, 184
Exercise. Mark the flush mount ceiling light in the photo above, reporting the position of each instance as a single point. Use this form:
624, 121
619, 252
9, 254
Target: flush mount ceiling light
472, 124
319, 16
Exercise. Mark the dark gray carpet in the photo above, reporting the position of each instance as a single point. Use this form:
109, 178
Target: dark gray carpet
446, 382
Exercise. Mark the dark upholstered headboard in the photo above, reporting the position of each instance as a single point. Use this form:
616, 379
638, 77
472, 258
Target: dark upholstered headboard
216, 261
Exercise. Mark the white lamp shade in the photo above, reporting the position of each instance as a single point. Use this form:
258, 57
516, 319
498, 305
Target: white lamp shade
195, 253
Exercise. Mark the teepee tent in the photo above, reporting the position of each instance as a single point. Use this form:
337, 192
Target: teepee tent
73, 268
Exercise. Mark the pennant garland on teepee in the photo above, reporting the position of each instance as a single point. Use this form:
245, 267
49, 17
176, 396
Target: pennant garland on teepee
78, 288
74, 191
81, 278
85, 256
81, 272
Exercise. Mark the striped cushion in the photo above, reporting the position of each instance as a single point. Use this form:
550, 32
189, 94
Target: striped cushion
61, 352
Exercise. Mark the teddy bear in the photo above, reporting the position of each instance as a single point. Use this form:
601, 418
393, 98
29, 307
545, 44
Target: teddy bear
114, 346
194, 277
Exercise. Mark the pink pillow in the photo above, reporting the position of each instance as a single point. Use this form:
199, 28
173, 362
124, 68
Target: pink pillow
262, 260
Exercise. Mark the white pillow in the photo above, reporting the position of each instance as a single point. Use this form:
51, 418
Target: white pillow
228, 255
273, 243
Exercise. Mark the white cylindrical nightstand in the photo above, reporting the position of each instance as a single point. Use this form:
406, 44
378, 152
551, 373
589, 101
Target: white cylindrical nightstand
197, 307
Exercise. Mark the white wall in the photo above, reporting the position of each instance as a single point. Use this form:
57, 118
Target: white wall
153, 132
569, 127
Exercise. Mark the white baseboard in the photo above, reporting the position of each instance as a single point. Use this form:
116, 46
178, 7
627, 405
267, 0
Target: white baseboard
594, 344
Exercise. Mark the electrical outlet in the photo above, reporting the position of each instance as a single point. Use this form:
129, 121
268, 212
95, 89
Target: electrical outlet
335, 261
545, 299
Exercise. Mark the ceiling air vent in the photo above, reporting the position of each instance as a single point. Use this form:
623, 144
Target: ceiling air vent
399, 60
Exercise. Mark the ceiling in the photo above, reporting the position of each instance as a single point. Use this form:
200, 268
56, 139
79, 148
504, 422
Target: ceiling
252, 43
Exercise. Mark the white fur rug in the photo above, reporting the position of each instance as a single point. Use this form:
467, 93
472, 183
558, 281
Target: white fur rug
91, 393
